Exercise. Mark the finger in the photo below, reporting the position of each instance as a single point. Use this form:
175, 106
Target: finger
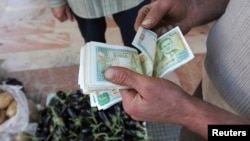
62, 18
129, 100
128, 96
59, 17
142, 13
123, 76
151, 15
69, 14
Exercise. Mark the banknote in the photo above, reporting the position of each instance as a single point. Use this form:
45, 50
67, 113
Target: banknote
105, 98
81, 71
97, 57
107, 56
158, 57
93, 102
145, 41
172, 51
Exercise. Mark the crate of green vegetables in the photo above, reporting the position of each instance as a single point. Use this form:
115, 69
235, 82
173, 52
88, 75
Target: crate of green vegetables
69, 117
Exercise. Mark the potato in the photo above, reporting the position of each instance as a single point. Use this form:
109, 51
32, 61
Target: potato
5, 100
2, 116
11, 110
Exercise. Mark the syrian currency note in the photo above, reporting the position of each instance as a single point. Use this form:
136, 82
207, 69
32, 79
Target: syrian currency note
145, 41
106, 98
99, 56
172, 51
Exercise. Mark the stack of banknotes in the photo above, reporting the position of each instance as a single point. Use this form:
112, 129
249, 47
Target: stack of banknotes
157, 57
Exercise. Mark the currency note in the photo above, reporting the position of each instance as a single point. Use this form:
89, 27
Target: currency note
81, 78
92, 99
106, 98
172, 51
100, 56
106, 57
145, 41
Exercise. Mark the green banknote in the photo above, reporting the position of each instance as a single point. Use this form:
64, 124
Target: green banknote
98, 57
145, 41
105, 98
172, 51
161, 56
106, 57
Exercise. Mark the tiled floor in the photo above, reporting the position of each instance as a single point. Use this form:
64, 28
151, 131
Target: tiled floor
44, 53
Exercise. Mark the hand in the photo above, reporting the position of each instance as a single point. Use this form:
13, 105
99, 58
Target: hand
150, 99
156, 99
62, 13
162, 15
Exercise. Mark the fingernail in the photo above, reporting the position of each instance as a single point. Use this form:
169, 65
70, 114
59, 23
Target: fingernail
147, 22
109, 74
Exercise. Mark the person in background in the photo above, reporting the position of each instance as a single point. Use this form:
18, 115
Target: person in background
91, 16
226, 81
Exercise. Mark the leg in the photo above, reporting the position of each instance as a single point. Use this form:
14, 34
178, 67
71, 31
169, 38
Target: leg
92, 29
125, 20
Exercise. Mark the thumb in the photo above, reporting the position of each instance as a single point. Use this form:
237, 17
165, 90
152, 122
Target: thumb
149, 16
69, 14
122, 76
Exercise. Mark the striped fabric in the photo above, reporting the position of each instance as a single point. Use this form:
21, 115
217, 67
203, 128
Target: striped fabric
96, 8
228, 56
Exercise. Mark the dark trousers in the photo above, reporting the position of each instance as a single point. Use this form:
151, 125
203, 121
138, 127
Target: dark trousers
94, 29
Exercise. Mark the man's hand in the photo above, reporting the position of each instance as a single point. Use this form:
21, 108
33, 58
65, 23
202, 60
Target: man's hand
151, 99
62, 13
156, 99
162, 15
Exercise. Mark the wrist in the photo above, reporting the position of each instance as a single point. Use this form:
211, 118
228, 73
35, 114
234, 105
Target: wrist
196, 118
